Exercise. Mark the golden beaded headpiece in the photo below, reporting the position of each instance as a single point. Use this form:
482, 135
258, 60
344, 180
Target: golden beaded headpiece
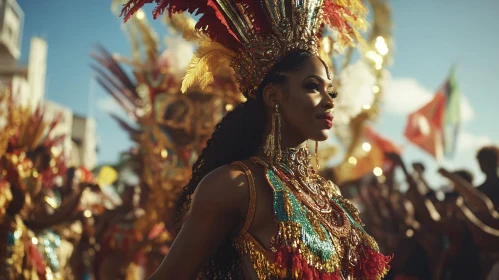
250, 36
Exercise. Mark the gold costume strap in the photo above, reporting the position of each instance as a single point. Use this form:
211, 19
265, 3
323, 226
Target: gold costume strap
252, 199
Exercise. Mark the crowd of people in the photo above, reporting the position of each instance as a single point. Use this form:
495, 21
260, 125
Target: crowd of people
443, 234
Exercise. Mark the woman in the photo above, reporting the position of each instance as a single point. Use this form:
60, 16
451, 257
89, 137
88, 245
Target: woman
255, 208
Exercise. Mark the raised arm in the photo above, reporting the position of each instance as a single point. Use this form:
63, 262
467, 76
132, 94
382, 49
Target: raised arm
217, 211
427, 212
65, 213
477, 201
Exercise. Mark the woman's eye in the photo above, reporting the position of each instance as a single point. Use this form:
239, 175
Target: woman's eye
312, 86
333, 94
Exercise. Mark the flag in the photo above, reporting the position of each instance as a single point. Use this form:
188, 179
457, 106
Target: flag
367, 157
383, 146
435, 126
386, 145
452, 118
424, 126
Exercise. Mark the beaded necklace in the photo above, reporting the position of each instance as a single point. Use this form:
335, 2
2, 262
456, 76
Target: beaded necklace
320, 235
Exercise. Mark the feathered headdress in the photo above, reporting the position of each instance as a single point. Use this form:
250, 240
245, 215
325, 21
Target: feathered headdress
252, 35
28, 130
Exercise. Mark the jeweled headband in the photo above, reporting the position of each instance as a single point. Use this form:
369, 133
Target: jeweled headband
252, 35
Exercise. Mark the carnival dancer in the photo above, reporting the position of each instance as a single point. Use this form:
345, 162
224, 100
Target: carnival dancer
24, 165
256, 208
29, 164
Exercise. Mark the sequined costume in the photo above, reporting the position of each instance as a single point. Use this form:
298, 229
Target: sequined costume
21, 258
319, 236
24, 133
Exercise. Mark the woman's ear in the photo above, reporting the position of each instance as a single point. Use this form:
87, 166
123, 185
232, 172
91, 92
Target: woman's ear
270, 95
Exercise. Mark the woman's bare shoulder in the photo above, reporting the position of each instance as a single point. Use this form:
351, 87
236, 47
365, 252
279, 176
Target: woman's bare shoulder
225, 187
216, 211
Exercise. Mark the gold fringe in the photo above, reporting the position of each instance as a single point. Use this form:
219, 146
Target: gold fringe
263, 262
289, 234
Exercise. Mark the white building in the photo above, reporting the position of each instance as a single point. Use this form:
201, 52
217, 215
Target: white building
11, 27
37, 69
64, 127
79, 145
84, 142
27, 81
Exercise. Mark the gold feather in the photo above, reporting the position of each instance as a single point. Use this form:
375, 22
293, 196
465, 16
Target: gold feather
186, 26
209, 59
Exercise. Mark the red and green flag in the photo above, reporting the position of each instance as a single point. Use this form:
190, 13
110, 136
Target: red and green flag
435, 126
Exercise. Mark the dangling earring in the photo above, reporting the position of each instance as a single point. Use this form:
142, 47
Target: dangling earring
279, 134
272, 148
317, 156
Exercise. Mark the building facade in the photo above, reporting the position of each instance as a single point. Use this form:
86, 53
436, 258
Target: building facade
52, 111
84, 142
27, 81
11, 27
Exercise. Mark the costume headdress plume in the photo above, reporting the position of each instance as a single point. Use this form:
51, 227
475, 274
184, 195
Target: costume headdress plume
251, 36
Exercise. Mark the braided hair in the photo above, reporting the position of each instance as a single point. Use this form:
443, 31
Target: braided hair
237, 136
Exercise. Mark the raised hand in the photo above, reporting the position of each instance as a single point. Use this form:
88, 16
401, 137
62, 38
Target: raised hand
444, 172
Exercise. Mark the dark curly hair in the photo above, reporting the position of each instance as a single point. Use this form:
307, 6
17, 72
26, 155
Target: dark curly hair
237, 136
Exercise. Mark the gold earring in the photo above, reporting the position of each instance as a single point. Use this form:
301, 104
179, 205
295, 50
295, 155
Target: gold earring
279, 133
317, 155
272, 148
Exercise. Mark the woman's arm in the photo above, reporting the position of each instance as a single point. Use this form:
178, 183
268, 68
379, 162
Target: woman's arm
65, 213
217, 210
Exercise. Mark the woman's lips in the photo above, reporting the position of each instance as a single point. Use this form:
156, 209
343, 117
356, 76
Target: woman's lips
327, 118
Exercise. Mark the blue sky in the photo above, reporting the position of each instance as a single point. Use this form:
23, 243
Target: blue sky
429, 37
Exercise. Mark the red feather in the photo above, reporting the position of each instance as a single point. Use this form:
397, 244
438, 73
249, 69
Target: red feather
220, 17
255, 11
58, 118
332, 15
217, 31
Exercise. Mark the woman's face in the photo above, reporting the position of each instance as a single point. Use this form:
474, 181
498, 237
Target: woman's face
307, 101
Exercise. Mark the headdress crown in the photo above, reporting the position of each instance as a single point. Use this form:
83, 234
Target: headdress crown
252, 35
